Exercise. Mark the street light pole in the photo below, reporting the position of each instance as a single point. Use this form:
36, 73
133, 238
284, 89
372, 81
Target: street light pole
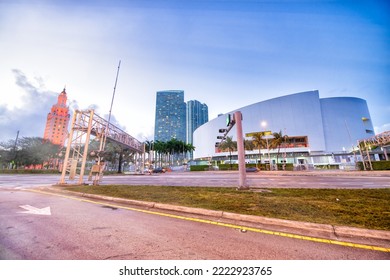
241, 152
237, 120
264, 125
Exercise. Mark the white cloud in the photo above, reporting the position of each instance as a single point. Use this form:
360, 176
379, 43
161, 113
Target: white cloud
382, 128
29, 115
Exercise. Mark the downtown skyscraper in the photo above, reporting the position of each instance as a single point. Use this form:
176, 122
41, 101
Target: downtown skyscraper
197, 114
170, 120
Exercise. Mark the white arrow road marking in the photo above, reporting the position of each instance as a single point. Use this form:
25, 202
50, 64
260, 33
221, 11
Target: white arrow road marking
33, 210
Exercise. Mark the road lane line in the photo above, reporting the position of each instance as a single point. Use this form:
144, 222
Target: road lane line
270, 232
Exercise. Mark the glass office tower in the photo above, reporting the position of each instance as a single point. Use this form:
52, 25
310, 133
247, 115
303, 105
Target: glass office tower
197, 114
170, 121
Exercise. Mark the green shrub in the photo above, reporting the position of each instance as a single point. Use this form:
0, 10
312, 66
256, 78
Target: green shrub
381, 165
199, 167
288, 166
376, 165
262, 166
327, 166
233, 166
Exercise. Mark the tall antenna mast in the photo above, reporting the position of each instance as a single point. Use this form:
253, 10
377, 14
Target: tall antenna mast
103, 143
113, 94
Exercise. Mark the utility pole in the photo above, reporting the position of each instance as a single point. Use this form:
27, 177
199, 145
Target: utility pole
16, 142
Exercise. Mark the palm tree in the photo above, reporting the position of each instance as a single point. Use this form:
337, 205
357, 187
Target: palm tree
161, 149
173, 147
248, 144
148, 145
229, 145
259, 142
189, 148
277, 142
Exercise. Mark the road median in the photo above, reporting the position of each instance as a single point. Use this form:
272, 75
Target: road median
313, 229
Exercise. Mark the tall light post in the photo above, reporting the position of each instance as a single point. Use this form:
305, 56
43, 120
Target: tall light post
264, 125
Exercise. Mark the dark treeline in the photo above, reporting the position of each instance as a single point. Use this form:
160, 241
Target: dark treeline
37, 153
32, 152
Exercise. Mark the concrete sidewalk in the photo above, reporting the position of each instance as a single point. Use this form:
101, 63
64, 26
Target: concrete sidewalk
371, 237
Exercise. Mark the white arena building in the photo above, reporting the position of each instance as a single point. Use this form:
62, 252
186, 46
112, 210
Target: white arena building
323, 130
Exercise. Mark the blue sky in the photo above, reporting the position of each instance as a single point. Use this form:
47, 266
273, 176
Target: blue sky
227, 54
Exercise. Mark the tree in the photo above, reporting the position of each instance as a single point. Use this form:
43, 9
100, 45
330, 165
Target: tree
248, 144
30, 151
175, 148
277, 142
148, 145
50, 153
189, 148
161, 149
259, 142
229, 145
114, 151
172, 148
8, 152
169, 151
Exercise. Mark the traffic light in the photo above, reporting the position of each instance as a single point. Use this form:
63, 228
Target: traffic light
230, 121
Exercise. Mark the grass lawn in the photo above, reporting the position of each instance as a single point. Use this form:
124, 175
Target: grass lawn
364, 208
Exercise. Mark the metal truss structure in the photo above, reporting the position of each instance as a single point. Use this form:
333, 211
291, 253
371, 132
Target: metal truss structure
84, 124
381, 140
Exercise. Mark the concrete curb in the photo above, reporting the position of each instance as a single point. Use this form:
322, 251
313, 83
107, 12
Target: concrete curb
343, 231
184, 209
330, 230
321, 228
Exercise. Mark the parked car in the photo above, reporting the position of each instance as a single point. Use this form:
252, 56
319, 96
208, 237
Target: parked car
252, 169
159, 170
147, 171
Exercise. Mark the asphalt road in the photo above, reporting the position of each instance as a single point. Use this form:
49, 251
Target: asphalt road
81, 229
223, 179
